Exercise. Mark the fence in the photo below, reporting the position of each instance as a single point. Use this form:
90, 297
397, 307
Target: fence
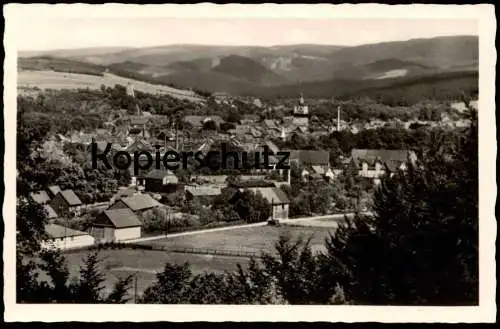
202, 251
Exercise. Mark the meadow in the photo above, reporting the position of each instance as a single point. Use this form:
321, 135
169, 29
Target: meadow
62, 80
144, 264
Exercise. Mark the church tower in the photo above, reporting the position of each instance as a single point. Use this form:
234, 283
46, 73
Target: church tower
301, 113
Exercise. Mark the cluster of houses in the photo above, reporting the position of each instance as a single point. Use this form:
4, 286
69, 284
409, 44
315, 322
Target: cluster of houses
120, 219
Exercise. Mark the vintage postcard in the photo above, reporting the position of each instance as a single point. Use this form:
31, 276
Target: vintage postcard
249, 163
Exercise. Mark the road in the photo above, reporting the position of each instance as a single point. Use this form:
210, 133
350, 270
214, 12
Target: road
235, 227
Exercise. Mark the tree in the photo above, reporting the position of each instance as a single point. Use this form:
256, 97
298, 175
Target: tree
171, 286
252, 207
420, 246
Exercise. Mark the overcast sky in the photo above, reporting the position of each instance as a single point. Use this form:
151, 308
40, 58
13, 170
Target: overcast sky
59, 33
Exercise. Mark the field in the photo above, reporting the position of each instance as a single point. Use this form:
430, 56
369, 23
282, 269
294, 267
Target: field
145, 263
253, 239
60, 80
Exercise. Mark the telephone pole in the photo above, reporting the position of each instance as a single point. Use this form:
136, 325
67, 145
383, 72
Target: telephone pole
135, 288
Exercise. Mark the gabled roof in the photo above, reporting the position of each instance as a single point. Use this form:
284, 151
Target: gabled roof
392, 158
123, 193
121, 218
139, 145
54, 189
57, 231
71, 198
203, 190
311, 157
40, 197
50, 211
140, 202
273, 195
160, 174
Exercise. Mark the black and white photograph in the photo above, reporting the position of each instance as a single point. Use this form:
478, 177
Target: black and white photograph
250, 155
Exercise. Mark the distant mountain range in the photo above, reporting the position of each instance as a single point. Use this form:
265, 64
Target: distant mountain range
277, 69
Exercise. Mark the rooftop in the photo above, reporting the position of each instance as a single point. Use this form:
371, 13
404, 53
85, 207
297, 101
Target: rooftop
121, 218
57, 231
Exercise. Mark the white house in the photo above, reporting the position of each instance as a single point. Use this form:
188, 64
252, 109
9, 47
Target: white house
114, 225
61, 237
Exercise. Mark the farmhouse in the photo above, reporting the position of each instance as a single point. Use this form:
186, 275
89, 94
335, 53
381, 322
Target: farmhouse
114, 225
66, 203
61, 237
137, 203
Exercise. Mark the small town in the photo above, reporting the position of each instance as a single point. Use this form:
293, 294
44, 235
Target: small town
366, 195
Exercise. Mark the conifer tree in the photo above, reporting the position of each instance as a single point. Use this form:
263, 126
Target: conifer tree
420, 247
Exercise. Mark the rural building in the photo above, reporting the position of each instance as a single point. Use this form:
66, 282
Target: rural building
276, 198
123, 192
114, 225
161, 181
40, 197
374, 163
61, 237
137, 203
66, 203
53, 190
203, 194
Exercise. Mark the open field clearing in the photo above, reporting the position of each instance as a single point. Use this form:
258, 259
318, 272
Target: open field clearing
251, 239
117, 263
60, 80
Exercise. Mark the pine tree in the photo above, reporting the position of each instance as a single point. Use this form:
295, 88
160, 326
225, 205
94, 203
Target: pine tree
420, 247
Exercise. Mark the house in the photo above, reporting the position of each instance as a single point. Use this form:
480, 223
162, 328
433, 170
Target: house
40, 197
276, 198
137, 203
114, 225
204, 194
374, 163
53, 190
51, 214
161, 181
66, 203
60, 237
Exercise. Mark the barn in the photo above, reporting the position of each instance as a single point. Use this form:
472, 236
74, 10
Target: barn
114, 225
